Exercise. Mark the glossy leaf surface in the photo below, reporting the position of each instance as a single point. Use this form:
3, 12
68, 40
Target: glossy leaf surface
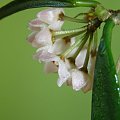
106, 91
19, 5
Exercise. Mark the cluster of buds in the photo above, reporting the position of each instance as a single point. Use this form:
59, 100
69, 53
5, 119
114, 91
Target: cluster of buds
73, 59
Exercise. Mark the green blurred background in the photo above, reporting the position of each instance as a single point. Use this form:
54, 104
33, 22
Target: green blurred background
26, 92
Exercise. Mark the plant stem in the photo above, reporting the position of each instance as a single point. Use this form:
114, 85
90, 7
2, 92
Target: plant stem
88, 52
67, 33
82, 3
75, 20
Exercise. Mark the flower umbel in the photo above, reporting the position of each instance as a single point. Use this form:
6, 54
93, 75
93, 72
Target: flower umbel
73, 59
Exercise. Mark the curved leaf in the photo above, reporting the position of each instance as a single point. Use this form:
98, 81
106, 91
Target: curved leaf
19, 5
106, 90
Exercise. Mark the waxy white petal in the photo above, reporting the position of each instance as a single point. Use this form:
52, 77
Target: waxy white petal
51, 17
31, 37
63, 73
79, 79
42, 54
43, 38
37, 25
79, 61
58, 47
72, 41
56, 25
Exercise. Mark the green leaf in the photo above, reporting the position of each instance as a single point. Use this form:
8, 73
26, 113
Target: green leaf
106, 90
19, 5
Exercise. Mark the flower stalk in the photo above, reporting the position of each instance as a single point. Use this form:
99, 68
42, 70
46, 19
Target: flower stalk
67, 18
87, 54
82, 3
68, 33
95, 44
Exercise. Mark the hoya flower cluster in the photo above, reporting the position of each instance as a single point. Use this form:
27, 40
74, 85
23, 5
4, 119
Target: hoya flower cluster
73, 59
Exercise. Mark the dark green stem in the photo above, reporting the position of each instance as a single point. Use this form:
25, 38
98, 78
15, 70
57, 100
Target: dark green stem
85, 3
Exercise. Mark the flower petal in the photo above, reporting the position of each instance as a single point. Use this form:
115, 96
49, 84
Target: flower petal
42, 54
51, 17
79, 79
58, 47
63, 72
56, 25
72, 41
36, 25
31, 37
79, 61
43, 38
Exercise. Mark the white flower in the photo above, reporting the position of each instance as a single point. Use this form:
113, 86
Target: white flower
37, 25
79, 61
58, 47
91, 67
72, 41
63, 72
40, 39
43, 55
51, 17
79, 79
58, 53
67, 73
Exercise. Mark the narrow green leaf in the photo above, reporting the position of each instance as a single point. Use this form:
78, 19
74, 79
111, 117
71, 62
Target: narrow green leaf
106, 90
19, 5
